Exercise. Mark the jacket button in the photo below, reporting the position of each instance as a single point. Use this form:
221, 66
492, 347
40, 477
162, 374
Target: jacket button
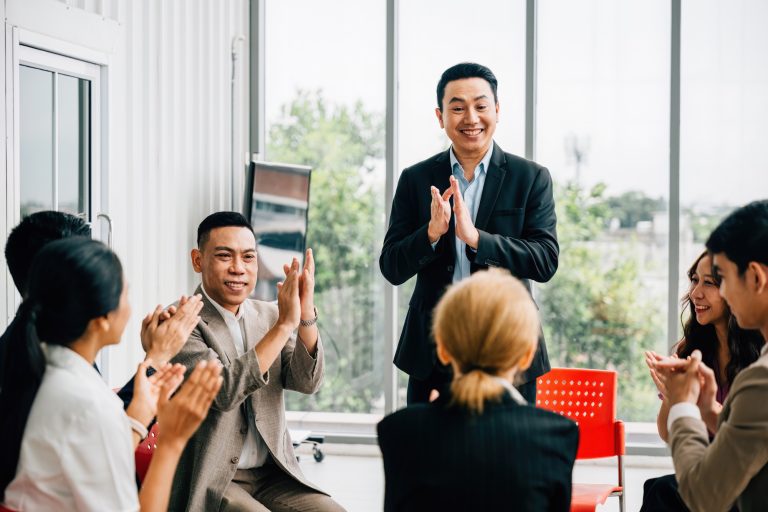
449, 268
244, 430
235, 460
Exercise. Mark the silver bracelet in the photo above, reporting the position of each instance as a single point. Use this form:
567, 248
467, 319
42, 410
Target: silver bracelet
309, 323
138, 427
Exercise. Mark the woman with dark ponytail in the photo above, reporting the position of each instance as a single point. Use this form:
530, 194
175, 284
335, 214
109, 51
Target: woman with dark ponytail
67, 444
482, 447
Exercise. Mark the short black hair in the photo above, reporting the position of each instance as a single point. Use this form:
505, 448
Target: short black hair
220, 220
34, 232
743, 235
466, 70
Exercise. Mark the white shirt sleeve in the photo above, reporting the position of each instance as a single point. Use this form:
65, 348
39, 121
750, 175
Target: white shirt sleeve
682, 410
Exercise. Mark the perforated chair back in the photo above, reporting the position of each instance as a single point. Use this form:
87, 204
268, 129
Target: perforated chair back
588, 397
144, 452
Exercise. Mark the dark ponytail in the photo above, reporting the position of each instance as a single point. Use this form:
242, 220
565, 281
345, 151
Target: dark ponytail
72, 281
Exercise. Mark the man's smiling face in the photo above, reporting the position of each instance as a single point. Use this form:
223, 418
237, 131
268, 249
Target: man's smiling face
469, 115
227, 262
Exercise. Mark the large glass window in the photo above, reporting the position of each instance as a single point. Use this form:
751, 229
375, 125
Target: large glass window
603, 118
724, 116
325, 103
54, 122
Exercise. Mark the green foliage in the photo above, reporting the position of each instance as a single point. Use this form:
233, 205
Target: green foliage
595, 311
633, 206
343, 146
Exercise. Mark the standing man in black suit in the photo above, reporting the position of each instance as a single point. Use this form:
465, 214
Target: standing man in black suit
468, 208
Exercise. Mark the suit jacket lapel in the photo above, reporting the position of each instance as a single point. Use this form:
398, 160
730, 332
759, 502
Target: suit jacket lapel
493, 180
216, 324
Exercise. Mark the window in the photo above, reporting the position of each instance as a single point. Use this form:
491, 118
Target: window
56, 121
325, 109
724, 117
603, 118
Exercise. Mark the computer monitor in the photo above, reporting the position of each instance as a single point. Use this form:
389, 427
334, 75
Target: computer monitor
276, 204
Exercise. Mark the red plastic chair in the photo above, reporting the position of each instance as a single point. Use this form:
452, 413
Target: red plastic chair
144, 451
588, 397
4, 509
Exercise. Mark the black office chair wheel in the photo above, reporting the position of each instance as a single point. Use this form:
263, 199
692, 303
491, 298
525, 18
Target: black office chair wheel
318, 454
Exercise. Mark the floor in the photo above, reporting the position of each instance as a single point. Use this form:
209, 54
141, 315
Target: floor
354, 476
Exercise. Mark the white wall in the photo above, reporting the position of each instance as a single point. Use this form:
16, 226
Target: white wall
169, 154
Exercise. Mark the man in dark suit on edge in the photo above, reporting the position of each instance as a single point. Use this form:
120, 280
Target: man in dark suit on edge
466, 209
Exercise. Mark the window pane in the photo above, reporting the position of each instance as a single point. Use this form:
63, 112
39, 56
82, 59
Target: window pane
603, 117
435, 35
74, 140
325, 101
724, 116
36, 139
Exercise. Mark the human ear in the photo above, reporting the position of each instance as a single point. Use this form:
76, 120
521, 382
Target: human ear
197, 258
527, 359
761, 276
439, 115
443, 355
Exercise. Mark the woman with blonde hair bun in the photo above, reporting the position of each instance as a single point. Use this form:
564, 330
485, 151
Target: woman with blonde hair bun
483, 447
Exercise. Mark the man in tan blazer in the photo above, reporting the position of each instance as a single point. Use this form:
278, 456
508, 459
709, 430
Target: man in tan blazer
241, 457
734, 466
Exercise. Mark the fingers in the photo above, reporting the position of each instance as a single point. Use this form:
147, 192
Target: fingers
435, 196
448, 193
309, 261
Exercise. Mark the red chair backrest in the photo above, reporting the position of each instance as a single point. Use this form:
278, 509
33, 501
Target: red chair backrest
587, 397
4, 509
144, 451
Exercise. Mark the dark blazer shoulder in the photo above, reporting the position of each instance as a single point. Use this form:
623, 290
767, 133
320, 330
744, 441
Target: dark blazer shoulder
429, 163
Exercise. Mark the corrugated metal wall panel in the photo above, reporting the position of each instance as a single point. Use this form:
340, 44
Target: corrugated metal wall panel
169, 141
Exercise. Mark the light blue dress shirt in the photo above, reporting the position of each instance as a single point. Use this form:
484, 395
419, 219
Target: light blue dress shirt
471, 191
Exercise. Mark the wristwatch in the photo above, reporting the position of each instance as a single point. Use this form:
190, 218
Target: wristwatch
311, 322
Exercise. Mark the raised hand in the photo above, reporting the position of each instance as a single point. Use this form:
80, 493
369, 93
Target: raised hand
288, 301
440, 214
180, 416
681, 377
465, 227
164, 332
306, 283
147, 390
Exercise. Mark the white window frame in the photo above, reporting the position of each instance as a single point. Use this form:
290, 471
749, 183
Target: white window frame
28, 48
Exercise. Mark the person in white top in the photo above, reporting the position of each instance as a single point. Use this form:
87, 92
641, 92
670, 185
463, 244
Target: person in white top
66, 440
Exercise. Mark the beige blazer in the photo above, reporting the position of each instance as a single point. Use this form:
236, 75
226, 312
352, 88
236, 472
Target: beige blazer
209, 461
734, 467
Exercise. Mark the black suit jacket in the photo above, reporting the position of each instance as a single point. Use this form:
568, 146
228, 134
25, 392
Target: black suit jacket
516, 220
510, 457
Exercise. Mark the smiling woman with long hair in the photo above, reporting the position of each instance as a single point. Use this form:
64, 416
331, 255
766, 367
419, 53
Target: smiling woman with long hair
725, 347
66, 442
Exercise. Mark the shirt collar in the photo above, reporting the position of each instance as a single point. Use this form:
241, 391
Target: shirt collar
483, 165
764, 350
225, 313
60, 356
513, 392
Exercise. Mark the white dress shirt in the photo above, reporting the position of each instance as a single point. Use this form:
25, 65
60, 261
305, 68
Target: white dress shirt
77, 449
472, 192
255, 451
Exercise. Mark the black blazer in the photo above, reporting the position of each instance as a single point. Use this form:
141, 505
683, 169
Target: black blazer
516, 220
510, 457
